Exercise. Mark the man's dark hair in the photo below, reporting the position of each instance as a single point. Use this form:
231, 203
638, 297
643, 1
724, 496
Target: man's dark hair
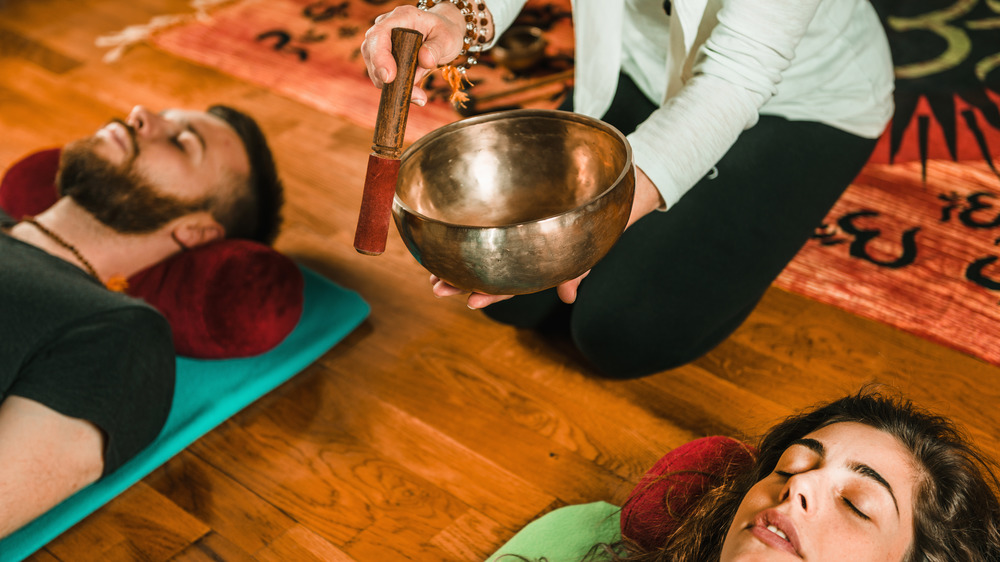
254, 213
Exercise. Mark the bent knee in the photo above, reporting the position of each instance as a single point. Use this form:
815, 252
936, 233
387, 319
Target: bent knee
618, 352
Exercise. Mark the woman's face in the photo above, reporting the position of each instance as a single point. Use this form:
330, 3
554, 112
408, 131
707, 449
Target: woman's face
844, 492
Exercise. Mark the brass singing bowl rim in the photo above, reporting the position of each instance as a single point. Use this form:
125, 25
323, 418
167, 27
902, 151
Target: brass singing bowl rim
512, 114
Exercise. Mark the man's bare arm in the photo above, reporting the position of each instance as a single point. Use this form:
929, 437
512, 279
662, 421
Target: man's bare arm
45, 457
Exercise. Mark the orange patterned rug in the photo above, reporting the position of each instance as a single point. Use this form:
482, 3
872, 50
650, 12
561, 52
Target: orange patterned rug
309, 51
914, 244
920, 257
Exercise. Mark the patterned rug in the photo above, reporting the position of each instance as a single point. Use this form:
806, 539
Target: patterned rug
916, 244
918, 256
309, 50
913, 243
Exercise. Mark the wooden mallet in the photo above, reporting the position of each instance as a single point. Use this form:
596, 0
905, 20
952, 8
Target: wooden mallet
383, 162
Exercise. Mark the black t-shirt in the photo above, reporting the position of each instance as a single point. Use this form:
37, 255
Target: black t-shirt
82, 350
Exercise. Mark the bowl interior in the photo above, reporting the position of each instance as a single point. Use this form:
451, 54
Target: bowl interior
510, 167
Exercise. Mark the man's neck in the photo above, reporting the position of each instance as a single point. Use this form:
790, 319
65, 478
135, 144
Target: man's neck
109, 252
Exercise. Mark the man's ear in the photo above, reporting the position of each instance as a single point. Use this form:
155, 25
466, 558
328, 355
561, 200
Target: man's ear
196, 229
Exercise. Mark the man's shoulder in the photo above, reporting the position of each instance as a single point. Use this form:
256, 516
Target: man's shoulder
43, 297
121, 320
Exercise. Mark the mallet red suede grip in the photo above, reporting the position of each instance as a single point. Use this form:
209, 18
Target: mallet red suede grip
383, 162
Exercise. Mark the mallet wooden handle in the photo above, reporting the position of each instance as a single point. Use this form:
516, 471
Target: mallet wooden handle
383, 162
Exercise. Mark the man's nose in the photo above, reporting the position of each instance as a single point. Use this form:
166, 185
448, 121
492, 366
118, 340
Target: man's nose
148, 124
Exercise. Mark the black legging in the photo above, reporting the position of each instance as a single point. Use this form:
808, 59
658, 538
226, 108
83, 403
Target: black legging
679, 282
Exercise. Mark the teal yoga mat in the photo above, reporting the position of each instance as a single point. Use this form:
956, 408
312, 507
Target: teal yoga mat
207, 393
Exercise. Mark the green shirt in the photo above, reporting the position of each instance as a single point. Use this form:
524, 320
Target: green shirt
564, 535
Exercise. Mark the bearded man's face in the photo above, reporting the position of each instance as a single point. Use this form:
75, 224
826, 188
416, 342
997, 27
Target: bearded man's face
118, 195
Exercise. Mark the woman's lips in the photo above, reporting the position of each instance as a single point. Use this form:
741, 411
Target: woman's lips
777, 530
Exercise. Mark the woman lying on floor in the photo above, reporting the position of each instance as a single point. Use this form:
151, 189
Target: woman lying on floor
866, 477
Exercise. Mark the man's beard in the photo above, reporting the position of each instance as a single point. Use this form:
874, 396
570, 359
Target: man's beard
117, 196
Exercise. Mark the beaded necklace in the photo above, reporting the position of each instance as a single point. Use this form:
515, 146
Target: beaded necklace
116, 283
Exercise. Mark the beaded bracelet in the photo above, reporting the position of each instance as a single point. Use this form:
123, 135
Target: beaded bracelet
476, 24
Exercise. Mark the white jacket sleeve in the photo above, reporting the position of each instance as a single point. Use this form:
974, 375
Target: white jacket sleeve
735, 72
504, 13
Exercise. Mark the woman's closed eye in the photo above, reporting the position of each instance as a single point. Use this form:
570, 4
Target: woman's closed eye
785, 475
854, 509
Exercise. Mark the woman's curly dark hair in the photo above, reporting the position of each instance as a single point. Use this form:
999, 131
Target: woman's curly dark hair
956, 512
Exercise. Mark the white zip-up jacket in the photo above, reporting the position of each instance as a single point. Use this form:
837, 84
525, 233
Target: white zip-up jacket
719, 64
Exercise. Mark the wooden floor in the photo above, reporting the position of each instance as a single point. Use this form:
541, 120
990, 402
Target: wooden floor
430, 433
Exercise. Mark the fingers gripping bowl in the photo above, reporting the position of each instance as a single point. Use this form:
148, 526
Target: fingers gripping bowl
514, 202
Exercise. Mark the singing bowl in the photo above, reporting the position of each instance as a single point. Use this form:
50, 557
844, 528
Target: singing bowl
514, 202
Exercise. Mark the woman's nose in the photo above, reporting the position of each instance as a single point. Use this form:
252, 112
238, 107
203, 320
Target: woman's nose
799, 491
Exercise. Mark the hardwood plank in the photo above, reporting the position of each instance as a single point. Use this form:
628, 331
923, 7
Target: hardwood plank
79, 23
211, 548
42, 556
154, 529
176, 83
409, 476
301, 544
386, 541
331, 478
37, 100
315, 485
472, 536
827, 352
542, 462
232, 511
13, 44
445, 462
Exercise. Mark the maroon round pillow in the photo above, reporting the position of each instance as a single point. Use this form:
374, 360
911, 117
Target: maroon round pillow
668, 491
231, 298
29, 185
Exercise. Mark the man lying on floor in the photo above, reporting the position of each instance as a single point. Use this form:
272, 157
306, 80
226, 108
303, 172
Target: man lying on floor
87, 373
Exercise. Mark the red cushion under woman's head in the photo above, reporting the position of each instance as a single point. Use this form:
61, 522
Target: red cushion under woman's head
668, 491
